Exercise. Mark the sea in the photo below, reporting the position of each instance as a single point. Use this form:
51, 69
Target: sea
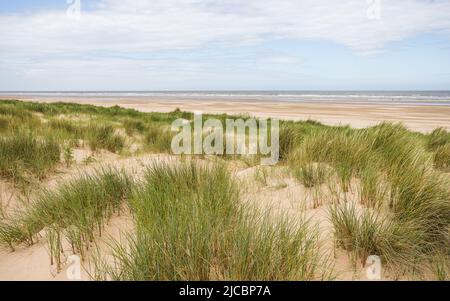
438, 98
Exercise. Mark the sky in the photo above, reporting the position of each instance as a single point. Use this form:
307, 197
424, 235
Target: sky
154, 45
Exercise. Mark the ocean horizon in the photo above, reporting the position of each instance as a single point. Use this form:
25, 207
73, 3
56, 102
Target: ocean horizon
384, 97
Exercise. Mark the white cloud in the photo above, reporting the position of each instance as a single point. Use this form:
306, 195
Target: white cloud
47, 39
137, 25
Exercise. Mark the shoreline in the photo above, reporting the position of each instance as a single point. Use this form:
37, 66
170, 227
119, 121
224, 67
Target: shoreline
421, 118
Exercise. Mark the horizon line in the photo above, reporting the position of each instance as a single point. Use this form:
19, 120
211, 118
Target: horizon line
220, 90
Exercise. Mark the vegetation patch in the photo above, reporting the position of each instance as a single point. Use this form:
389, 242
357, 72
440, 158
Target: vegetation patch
22, 155
76, 211
190, 226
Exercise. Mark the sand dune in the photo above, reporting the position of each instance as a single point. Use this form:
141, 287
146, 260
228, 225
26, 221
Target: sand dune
282, 190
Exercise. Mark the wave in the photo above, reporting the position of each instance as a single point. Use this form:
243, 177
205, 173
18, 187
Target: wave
302, 96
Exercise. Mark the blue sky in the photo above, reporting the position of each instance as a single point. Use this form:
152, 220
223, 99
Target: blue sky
240, 45
21, 6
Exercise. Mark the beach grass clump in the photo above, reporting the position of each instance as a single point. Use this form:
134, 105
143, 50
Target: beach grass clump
374, 190
441, 158
422, 195
23, 155
311, 174
11, 234
4, 123
14, 111
290, 137
104, 137
440, 266
337, 147
367, 153
64, 125
395, 174
133, 126
438, 138
158, 138
395, 147
191, 226
13, 119
66, 132
62, 108
69, 127
77, 211
367, 232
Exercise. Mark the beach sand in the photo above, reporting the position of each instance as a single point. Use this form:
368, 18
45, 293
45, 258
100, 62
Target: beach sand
421, 118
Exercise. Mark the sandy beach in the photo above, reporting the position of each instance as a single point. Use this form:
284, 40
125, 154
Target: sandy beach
421, 118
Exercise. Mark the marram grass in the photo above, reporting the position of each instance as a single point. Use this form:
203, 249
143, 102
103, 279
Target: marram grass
190, 226
23, 155
76, 211
397, 179
402, 179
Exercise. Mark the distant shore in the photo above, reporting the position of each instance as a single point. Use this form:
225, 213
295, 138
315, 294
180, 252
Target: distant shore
421, 118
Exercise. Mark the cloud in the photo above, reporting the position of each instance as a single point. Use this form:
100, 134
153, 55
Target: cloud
138, 25
140, 28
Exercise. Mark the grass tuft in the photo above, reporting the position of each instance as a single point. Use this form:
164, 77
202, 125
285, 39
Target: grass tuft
76, 210
158, 139
22, 156
366, 232
133, 126
441, 157
312, 174
190, 226
104, 136
439, 137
